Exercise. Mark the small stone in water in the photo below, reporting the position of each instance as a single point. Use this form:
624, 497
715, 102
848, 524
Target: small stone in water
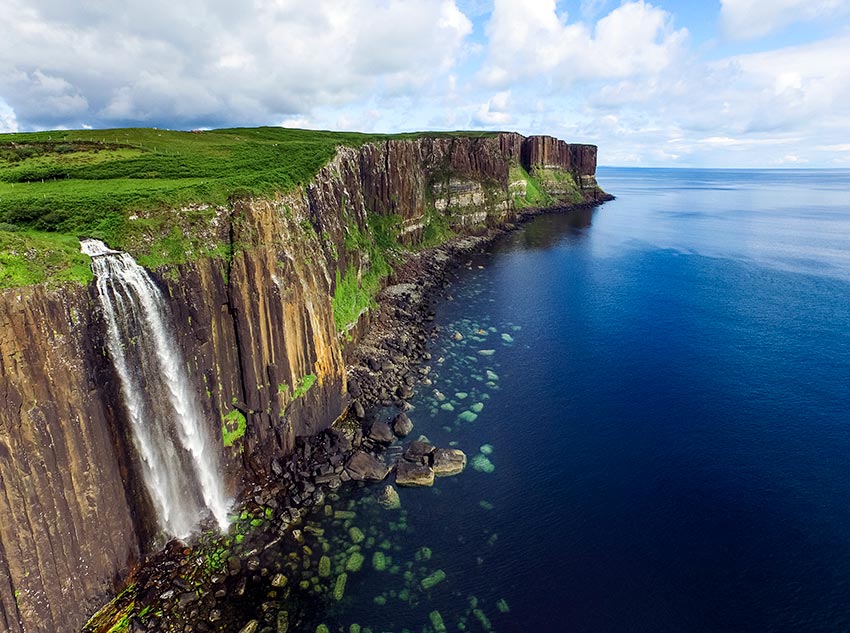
339, 586
502, 606
468, 416
491, 375
279, 580
486, 352
461, 395
380, 600
423, 553
487, 449
507, 338
437, 622
486, 505
447, 406
477, 407
434, 579
379, 561
324, 567
355, 562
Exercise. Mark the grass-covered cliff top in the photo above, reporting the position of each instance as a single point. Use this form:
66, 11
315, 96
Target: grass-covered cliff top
57, 186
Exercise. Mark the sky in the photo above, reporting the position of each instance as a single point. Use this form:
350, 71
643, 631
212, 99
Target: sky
690, 83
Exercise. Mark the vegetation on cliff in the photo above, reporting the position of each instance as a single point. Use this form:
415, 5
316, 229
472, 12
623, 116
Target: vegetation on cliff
124, 186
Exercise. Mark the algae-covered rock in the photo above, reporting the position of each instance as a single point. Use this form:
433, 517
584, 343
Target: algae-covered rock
380, 600
482, 464
485, 622
379, 561
478, 407
251, 627
486, 352
447, 406
354, 562
343, 515
356, 534
461, 395
467, 416
339, 586
486, 449
389, 499
434, 579
324, 567
323, 628
437, 622
507, 338
279, 580
491, 375
354, 628
282, 622
485, 505
423, 553
448, 462
502, 606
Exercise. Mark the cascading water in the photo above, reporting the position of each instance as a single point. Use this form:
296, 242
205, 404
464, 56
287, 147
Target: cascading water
180, 468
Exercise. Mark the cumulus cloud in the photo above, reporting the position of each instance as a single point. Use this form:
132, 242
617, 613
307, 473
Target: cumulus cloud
746, 19
496, 111
532, 39
214, 62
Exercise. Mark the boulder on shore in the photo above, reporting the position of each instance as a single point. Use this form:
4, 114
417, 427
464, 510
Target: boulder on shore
414, 474
380, 432
363, 466
448, 462
402, 426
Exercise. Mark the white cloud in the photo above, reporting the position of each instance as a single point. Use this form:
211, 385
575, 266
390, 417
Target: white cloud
745, 19
496, 111
213, 62
8, 121
529, 40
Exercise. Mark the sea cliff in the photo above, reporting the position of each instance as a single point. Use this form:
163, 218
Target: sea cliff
265, 327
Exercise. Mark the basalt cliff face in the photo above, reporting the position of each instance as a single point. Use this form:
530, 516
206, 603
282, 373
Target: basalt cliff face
263, 332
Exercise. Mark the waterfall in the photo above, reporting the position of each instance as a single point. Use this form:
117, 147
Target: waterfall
179, 464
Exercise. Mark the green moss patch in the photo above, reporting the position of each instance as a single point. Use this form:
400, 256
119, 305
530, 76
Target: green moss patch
233, 428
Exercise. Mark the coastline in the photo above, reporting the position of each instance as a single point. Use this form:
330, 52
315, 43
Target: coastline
193, 583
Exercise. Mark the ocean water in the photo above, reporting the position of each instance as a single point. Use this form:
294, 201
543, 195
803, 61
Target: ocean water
660, 389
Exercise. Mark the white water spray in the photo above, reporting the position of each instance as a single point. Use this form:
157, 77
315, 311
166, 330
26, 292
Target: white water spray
179, 465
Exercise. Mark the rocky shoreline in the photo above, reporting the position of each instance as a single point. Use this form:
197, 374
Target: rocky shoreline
200, 587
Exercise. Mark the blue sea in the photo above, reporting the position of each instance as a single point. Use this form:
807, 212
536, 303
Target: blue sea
655, 394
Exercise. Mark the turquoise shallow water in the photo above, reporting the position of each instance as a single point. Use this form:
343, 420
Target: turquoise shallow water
660, 386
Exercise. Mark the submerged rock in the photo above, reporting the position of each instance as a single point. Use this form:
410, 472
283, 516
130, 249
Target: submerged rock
434, 579
389, 499
449, 461
482, 464
413, 474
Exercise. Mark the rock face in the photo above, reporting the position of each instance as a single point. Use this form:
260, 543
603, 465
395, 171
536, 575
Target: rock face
258, 331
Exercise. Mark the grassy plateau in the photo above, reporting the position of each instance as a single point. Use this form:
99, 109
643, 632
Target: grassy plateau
58, 186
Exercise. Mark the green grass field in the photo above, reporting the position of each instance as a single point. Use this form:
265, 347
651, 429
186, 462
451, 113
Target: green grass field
61, 185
